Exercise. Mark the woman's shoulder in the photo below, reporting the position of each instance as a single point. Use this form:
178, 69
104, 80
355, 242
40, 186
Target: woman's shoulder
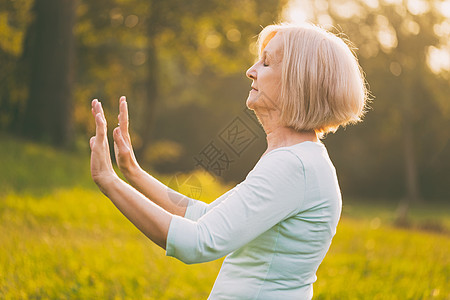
311, 156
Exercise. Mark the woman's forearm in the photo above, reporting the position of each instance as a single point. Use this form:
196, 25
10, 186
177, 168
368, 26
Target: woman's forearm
149, 186
148, 217
156, 191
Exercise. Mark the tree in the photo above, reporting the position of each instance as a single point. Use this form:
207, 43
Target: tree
187, 27
49, 49
163, 50
14, 20
395, 39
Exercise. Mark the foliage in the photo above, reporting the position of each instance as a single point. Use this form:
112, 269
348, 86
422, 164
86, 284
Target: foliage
193, 40
402, 135
203, 49
14, 19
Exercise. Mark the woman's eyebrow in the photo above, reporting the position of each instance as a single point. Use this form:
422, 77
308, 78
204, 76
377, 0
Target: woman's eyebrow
266, 53
274, 59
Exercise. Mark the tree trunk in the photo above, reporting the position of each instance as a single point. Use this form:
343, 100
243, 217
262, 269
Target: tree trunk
152, 86
412, 180
48, 114
412, 193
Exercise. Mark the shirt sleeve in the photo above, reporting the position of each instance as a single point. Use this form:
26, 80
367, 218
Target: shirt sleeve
272, 192
197, 208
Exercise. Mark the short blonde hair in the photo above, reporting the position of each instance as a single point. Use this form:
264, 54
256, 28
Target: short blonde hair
322, 84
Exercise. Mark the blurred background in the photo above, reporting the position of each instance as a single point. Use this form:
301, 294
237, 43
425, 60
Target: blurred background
182, 66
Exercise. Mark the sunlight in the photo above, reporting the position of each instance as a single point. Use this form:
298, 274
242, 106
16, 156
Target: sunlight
347, 9
392, 1
443, 29
387, 39
297, 11
213, 40
410, 27
418, 7
444, 8
386, 34
438, 59
372, 3
325, 21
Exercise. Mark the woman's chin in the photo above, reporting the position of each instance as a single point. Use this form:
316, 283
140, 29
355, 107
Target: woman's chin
250, 102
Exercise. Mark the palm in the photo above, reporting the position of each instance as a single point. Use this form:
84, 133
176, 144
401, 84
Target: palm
123, 148
101, 165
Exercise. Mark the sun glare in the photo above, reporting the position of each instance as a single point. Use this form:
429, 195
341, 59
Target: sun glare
438, 59
444, 8
297, 11
418, 7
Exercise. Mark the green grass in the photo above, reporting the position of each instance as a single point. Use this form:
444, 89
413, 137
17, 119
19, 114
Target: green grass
31, 168
75, 244
68, 241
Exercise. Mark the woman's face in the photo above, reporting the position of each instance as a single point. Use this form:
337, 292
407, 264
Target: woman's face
266, 76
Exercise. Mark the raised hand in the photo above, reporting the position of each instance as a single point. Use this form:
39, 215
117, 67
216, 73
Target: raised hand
148, 217
125, 158
101, 166
104, 175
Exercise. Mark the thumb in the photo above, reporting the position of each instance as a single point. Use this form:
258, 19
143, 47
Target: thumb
91, 142
120, 141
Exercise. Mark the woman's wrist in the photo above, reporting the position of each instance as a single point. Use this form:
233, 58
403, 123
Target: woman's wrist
104, 182
132, 173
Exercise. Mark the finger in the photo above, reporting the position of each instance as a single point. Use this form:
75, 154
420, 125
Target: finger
100, 110
123, 110
123, 115
93, 103
91, 142
116, 150
124, 120
100, 128
96, 107
120, 141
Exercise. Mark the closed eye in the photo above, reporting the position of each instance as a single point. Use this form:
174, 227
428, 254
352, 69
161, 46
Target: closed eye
264, 58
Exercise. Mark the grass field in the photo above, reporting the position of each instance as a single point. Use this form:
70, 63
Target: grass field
60, 238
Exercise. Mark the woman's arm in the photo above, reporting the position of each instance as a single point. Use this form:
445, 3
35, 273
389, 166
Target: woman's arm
273, 192
152, 188
149, 218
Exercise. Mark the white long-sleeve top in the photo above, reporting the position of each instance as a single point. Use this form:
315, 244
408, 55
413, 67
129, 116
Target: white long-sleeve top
275, 227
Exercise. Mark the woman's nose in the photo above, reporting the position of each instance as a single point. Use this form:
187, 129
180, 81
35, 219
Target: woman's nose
251, 72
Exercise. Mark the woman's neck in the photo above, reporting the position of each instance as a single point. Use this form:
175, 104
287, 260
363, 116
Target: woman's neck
283, 137
278, 135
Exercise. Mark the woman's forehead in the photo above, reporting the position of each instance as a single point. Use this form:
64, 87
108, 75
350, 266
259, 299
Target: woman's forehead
273, 45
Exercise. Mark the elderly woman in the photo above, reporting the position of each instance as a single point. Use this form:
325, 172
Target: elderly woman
276, 226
